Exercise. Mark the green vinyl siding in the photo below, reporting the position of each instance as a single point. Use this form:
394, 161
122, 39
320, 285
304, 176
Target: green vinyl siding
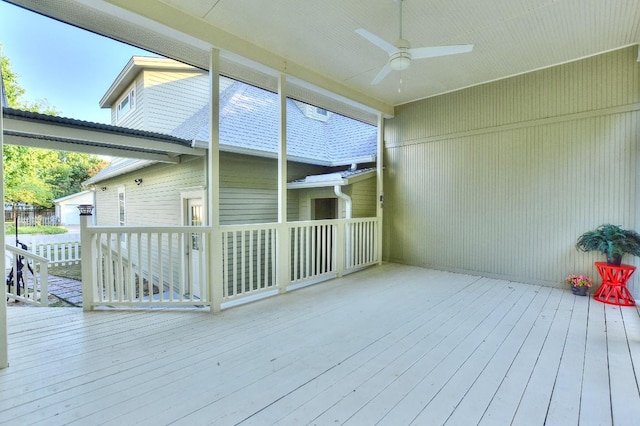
500, 179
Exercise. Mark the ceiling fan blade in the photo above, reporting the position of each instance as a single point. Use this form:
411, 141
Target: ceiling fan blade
382, 44
432, 52
382, 74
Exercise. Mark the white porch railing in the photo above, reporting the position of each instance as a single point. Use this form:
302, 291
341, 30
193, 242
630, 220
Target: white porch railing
248, 261
27, 276
135, 266
132, 266
361, 243
314, 250
58, 253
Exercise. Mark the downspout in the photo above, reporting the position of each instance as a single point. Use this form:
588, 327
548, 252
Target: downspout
347, 227
338, 191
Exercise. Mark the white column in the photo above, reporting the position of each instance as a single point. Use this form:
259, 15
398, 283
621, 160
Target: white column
4, 355
380, 183
213, 184
87, 262
283, 274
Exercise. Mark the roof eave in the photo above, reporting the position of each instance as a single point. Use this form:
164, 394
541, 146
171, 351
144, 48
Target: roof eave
131, 70
330, 183
118, 172
354, 160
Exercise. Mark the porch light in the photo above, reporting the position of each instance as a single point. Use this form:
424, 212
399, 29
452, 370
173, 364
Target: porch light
85, 209
400, 61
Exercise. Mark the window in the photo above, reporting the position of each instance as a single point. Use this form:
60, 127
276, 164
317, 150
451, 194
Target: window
121, 206
126, 104
314, 112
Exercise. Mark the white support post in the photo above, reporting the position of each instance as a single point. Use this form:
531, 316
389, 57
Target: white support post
4, 354
380, 184
341, 245
283, 274
213, 185
87, 263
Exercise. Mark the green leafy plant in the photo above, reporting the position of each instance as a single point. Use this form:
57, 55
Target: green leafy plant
612, 241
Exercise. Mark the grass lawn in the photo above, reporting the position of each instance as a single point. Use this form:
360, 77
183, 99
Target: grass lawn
10, 229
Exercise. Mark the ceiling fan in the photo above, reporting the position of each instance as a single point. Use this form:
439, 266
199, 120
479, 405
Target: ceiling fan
401, 54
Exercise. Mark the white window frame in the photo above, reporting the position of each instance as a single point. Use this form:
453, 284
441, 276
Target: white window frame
130, 100
122, 211
122, 206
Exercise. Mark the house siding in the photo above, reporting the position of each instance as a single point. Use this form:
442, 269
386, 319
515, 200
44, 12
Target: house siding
363, 198
500, 179
157, 200
248, 191
135, 119
164, 100
172, 97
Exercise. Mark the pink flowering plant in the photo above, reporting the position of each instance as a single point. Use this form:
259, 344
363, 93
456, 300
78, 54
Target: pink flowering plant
579, 280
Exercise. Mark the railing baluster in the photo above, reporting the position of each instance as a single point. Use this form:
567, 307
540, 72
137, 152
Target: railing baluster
225, 265
170, 258
259, 282
243, 266
149, 262
160, 260
267, 247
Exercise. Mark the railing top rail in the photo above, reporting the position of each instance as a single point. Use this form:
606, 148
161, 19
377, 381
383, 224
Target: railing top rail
146, 229
25, 253
248, 227
205, 229
331, 221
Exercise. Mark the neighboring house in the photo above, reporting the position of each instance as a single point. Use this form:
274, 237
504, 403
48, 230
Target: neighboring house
162, 95
67, 207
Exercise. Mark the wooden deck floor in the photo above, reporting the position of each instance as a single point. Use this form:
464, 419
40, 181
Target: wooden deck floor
391, 345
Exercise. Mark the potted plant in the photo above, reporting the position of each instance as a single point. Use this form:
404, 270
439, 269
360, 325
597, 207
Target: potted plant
612, 241
580, 284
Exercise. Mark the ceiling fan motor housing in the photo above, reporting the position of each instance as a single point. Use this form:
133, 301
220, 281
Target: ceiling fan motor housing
400, 60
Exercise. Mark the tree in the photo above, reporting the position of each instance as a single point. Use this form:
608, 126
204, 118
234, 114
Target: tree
23, 182
67, 170
37, 176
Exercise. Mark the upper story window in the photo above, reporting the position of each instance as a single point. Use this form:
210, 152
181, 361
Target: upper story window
126, 104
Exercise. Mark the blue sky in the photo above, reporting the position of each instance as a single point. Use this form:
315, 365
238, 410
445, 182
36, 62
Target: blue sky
70, 67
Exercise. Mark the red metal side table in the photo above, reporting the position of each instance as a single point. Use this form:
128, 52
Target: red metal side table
614, 289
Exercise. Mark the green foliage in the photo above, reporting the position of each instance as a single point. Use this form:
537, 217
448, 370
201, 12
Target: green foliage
612, 241
10, 229
9, 78
38, 176
23, 180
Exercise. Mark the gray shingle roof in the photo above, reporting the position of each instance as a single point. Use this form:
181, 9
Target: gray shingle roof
249, 120
249, 124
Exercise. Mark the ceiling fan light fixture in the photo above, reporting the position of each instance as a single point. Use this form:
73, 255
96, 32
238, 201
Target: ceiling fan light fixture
400, 61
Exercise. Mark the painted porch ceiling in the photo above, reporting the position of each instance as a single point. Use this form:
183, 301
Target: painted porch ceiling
317, 38
509, 36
